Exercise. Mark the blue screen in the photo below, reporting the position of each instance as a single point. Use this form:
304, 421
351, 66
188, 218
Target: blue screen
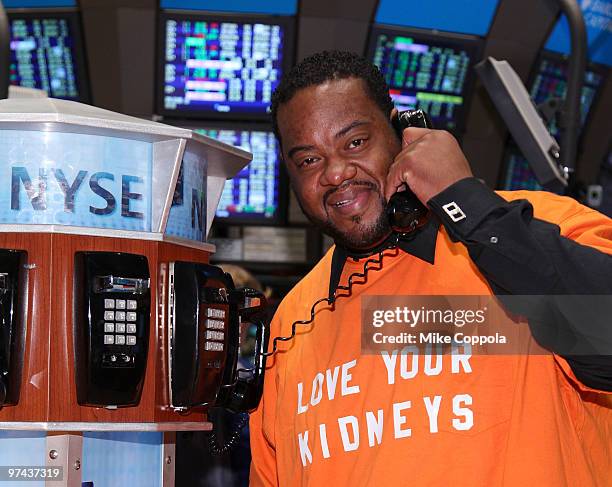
550, 82
38, 3
253, 195
221, 67
273, 7
431, 73
463, 16
597, 16
43, 55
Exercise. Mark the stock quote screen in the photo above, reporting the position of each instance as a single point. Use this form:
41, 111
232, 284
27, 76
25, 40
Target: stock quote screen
427, 72
550, 82
220, 67
253, 194
43, 55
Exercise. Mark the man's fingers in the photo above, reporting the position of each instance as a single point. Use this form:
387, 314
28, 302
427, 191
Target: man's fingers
394, 183
412, 134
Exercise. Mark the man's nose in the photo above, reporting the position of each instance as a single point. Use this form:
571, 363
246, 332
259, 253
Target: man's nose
337, 171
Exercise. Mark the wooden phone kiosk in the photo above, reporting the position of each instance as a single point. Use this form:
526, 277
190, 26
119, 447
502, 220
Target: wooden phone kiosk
94, 205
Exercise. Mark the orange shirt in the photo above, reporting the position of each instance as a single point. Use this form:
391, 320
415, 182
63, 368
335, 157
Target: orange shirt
332, 416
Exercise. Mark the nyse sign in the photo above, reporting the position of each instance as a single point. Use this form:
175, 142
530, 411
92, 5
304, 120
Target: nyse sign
75, 179
37, 194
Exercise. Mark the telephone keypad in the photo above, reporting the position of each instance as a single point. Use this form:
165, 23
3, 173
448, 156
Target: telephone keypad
215, 324
115, 328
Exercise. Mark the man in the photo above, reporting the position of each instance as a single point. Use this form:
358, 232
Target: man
333, 415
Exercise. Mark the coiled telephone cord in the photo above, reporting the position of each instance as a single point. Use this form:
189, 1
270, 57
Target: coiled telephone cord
213, 442
348, 288
217, 449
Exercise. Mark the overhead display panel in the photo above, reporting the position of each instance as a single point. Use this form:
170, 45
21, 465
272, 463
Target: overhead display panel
271, 7
462, 16
426, 70
597, 16
38, 3
47, 53
549, 82
221, 66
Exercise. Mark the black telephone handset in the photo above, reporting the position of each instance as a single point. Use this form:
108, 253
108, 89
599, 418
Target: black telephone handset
405, 212
244, 389
13, 285
112, 308
204, 312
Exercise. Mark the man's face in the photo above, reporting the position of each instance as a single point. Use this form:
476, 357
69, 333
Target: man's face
338, 146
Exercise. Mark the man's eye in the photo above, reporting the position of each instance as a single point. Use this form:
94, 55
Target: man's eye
308, 161
356, 143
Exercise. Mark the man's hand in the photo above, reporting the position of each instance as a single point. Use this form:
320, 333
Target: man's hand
430, 161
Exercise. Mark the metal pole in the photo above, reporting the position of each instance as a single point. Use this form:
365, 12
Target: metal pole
570, 114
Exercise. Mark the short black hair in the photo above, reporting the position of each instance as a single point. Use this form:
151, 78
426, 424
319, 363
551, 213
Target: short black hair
326, 66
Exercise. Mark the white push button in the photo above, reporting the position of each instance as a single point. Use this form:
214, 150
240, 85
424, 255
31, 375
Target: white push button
215, 324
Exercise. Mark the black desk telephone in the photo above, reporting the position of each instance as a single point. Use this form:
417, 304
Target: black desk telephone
13, 285
204, 312
112, 306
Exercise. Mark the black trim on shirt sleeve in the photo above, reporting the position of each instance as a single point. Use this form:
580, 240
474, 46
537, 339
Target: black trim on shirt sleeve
522, 255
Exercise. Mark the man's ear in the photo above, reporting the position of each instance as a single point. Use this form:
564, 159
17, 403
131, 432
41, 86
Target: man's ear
393, 115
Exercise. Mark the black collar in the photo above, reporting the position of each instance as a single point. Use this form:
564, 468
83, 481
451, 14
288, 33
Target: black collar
421, 244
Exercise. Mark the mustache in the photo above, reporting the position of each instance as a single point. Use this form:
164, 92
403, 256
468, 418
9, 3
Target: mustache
342, 187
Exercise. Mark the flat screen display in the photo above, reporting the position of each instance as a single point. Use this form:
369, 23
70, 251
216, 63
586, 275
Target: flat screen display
221, 66
428, 71
47, 53
549, 82
257, 194
464, 16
